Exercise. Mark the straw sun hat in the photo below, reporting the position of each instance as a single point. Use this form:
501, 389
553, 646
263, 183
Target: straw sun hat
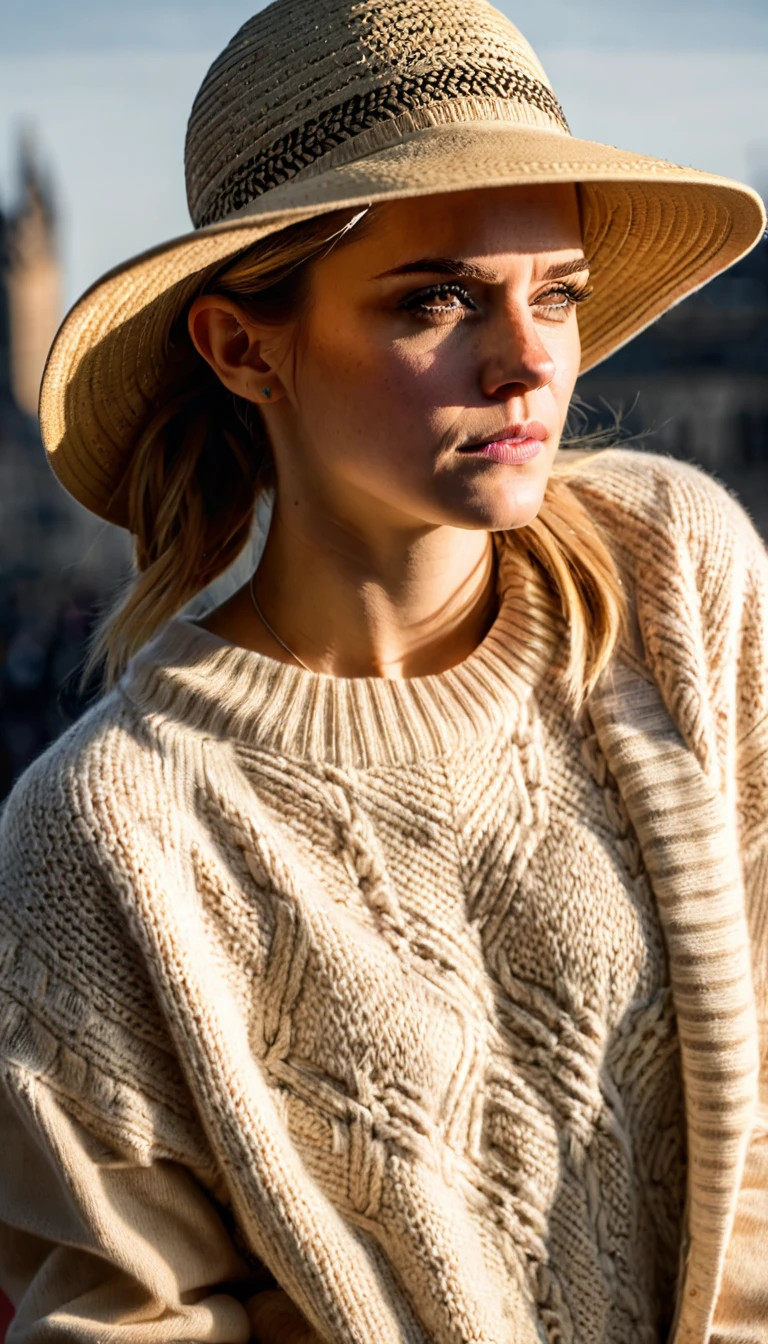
322, 104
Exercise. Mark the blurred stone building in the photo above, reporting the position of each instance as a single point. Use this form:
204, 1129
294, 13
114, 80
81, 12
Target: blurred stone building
33, 280
57, 562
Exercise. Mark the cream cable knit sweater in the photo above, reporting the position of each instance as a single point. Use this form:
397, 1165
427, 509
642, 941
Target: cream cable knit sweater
376, 983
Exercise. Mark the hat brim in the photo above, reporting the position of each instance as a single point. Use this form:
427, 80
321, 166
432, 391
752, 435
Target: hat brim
654, 233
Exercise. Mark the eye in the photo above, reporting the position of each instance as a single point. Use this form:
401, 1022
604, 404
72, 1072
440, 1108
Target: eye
439, 302
555, 304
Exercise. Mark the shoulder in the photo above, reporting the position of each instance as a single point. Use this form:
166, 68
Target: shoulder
660, 494
78, 1005
54, 888
50, 808
676, 532
62, 909
696, 573
103, 804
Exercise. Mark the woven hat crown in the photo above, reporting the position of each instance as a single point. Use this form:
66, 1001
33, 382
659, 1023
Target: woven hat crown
303, 80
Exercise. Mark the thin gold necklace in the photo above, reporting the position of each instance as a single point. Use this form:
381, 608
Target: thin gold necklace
272, 632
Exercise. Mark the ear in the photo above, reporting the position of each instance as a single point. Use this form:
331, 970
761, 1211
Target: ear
231, 343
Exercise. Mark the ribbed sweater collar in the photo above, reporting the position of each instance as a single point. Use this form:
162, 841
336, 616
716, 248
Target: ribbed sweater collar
220, 689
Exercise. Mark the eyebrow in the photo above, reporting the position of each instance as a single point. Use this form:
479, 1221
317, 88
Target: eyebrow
467, 270
560, 269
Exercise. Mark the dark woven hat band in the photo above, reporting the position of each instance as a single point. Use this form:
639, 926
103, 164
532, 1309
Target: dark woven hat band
303, 145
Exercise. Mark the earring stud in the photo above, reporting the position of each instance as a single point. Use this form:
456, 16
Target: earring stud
266, 391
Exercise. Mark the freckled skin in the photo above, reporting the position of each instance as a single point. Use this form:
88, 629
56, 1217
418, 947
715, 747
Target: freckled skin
378, 560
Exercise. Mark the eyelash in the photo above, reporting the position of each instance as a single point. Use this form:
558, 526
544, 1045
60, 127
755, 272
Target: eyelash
416, 303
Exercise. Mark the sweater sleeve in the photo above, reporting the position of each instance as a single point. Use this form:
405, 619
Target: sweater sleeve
110, 1225
742, 1308
96, 1248
698, 571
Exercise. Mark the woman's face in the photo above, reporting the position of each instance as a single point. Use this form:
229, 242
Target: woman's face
429, 376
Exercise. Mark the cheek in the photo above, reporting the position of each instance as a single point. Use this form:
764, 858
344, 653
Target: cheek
379, 410
569, 361
374, 391
561, 341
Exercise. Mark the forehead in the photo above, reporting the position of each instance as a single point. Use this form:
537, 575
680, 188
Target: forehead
492, 222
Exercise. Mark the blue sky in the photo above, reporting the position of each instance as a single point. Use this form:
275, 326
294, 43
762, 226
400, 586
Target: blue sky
173, 25
108, 89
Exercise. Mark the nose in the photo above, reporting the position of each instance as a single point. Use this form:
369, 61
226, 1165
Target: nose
514, 359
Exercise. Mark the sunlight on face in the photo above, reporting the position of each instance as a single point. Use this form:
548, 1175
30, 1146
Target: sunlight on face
430, 375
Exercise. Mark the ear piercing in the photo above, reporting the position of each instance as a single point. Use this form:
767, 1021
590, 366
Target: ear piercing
266, 392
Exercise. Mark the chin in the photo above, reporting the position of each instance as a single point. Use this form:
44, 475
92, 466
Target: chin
505, 511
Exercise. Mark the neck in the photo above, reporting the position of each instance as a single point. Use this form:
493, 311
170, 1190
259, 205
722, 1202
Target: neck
353, 602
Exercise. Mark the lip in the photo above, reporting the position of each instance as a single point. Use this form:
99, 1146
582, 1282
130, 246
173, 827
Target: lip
515, 444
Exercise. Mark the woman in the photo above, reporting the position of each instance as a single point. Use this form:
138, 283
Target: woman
383, 956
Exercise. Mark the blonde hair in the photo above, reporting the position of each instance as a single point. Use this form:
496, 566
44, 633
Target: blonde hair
203, 458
